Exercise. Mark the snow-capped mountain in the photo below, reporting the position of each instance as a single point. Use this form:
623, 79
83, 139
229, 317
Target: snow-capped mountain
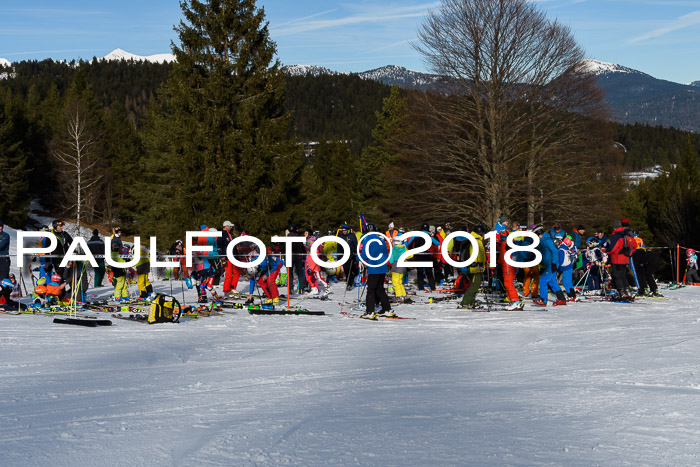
636, 97
304, 70
4, 62
119, 54
389, 75
599, 68
402, 77
695, 83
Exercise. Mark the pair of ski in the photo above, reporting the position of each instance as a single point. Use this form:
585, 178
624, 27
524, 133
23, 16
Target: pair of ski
271, 310
502, 307
375, 317
91, 322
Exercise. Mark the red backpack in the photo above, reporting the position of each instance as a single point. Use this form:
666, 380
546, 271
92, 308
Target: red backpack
630, 246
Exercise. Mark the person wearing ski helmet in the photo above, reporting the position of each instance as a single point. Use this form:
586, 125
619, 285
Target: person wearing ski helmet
509, 272
595, 263
620, 257
691, 274
375, 256
351, 267
269, 270
16, 289
397, 271
548, 276
6, 303
97, 249
421, 272
118, 274
4, 252
567, 255
64, 241
646, 263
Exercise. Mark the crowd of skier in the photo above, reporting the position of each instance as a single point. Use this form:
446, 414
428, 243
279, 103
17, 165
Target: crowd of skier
571, 264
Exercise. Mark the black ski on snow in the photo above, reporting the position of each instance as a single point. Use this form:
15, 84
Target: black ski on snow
92, 323
291, 311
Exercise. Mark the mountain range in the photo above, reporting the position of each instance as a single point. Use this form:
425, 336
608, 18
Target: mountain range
633, 96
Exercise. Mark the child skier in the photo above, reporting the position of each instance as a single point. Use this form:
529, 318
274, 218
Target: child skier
692, 271
568, 253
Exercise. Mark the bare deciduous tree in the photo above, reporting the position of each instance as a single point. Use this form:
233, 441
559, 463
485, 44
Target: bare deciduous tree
511, 128
77, 173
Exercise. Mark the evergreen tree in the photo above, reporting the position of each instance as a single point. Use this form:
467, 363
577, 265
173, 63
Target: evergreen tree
223, 131
14, 174
374, 188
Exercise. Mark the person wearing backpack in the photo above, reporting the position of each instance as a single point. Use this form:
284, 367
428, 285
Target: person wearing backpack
622, 246
691, 275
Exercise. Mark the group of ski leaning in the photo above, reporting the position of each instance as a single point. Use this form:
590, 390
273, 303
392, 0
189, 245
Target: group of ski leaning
568, 258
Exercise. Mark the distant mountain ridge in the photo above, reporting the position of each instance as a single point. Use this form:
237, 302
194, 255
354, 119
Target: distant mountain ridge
119, 54
633, 96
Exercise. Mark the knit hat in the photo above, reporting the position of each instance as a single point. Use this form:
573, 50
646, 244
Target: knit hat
580, 227
617, 224
391, 225
95, 232
503, 219
625, 222
432, 228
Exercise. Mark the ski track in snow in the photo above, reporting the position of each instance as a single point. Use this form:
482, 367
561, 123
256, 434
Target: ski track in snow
589, 383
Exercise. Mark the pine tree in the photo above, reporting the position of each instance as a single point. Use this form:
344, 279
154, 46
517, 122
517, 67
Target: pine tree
14, 175
223, 132
374, 188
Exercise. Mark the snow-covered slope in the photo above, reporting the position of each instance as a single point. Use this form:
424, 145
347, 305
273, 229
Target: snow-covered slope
303, 70
599, 68
119, 54
584, 384
403, 77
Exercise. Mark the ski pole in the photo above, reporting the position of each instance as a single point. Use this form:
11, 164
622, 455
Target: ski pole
634, 272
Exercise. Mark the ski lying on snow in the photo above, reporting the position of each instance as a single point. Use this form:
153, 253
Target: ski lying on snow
131, 317
349, 314
292, 311
92, 323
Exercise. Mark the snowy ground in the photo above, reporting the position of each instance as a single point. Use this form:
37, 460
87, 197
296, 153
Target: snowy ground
585, 384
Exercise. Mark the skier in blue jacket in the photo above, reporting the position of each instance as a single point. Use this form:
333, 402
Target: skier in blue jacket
549, 264
375, 253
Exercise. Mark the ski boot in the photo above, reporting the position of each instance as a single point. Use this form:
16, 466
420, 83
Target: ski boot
369, 315
515, 306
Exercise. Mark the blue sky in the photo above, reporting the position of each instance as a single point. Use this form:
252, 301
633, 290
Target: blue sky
661, 38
